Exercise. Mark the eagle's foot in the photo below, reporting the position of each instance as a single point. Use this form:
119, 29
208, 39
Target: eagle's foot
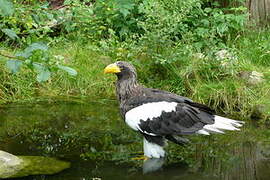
142, 157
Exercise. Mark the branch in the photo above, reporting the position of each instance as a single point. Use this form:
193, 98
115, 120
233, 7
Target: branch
59, 7
10, 56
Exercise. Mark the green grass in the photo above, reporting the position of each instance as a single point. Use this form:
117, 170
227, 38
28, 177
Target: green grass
255, 48
90, 80
203, 79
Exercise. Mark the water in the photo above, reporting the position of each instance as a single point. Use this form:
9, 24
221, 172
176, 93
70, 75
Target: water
95, 140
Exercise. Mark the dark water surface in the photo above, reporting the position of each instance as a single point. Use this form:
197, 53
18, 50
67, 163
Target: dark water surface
61, 129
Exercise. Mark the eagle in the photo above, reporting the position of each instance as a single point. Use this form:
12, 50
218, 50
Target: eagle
160, 115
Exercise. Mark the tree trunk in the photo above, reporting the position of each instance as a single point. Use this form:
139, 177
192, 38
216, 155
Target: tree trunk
56, 3
259, 10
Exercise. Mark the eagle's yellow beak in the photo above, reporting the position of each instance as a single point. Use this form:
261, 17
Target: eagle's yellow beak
112, 68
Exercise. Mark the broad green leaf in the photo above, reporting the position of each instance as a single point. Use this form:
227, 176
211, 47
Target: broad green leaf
23, 54
38, 67
43, 75
205, 22
43, 72
10, 33
35, 46
207, 10
125, 12
125, 6
221, 29
203, 32
14, 65
69, 70
6, 8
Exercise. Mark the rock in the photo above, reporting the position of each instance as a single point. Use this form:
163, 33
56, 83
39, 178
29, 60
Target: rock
9, 164
252, 78
226, 58
199, 55
255, 78
19, 166
224, 54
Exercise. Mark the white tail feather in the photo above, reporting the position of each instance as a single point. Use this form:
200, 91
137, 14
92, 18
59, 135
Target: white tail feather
203, 132
212, 129
221, 123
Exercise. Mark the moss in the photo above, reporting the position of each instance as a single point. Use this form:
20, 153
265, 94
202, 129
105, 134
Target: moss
33, 165
19, 166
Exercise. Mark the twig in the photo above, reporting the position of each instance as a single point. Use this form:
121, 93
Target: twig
59, 7
7, 55
10, 56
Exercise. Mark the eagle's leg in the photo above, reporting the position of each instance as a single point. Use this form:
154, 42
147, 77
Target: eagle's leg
153, 146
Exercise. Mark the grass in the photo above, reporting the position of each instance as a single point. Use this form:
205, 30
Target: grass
205, 79
90, 80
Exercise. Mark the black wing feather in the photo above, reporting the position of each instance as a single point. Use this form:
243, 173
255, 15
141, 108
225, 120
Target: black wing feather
188, 118
185, 120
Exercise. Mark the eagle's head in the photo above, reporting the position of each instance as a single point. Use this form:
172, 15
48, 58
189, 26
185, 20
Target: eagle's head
122, 69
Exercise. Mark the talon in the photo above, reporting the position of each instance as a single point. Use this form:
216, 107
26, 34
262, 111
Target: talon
140, 158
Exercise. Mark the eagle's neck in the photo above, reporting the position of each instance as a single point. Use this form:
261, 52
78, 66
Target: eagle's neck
126, 88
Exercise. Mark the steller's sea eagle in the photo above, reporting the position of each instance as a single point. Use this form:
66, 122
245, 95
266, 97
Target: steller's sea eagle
159, 115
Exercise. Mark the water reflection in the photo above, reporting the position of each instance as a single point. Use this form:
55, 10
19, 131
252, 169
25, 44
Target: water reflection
248, 161
251, 162
152, 165
29, 129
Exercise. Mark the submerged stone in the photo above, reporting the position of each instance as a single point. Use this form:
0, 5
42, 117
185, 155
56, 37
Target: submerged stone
19, 166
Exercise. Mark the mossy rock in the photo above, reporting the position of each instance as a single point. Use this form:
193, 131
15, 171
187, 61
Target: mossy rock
9, 164
18, 166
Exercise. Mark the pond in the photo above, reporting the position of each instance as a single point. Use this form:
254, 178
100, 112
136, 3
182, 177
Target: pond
92, 137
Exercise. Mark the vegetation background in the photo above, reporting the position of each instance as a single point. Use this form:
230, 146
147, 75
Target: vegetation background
210, 51
196, 48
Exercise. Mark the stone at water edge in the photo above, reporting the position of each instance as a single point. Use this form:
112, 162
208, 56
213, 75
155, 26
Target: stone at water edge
9, 164
13, 166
